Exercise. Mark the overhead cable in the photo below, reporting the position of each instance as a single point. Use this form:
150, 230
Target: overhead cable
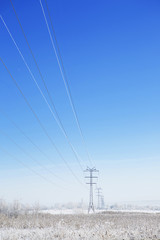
63, 74
40, 123
29, 168
55, 115
30, 156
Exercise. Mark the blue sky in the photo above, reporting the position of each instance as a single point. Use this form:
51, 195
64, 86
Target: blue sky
111, 54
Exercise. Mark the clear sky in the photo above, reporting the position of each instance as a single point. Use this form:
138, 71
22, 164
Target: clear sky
111, 53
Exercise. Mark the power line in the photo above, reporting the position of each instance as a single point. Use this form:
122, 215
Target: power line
34, 144
29, 168
63, 74
56, 117
25, 135
27, 154
40, 123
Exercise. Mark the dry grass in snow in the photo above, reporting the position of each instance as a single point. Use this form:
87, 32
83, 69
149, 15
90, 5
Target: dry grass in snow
107, 226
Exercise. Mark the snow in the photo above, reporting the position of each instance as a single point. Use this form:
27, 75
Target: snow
106, 226
64, 211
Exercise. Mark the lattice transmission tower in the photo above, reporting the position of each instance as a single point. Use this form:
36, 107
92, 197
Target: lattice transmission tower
99, 195
91, 182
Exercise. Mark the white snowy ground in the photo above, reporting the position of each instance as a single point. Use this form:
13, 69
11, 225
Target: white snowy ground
108, 226
84, 211
64, 211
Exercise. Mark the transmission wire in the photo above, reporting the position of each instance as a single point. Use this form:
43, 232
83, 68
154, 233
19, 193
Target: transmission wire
40, 123
27, 154
56, 117
29, 168
64, 75
25, 135
21, 131
34, 144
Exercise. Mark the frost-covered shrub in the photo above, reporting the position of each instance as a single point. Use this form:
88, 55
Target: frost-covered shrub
108, 226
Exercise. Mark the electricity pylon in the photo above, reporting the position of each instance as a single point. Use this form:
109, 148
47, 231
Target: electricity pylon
91, 183
99, 195
102, 202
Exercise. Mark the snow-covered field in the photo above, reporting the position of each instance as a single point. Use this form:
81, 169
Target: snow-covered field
107, 226
85, 211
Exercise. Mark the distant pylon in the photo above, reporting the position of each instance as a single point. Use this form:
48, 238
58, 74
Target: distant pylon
99, 195
102, 202
91, 183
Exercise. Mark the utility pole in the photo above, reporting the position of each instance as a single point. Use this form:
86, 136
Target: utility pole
91, 183
99, 195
